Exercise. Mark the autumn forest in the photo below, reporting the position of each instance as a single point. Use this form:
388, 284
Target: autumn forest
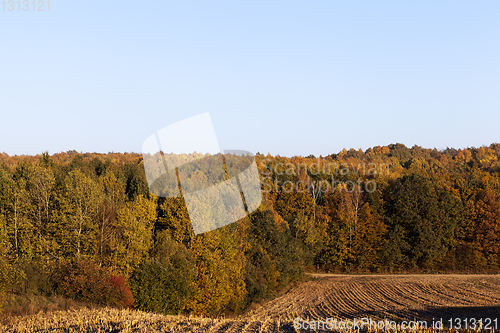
84, 226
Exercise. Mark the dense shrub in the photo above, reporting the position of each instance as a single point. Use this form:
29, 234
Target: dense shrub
164, 283
31, 277
4, 263
123, 291
86, 281
274, 257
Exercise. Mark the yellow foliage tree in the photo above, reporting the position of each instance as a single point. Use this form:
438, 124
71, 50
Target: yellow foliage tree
134, 234
220, 260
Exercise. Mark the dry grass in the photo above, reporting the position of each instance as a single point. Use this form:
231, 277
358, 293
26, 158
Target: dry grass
342, 297
13, 306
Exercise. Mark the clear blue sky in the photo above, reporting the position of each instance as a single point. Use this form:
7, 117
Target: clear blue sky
285, 77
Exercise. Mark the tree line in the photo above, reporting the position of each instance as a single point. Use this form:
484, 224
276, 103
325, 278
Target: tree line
85, 226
